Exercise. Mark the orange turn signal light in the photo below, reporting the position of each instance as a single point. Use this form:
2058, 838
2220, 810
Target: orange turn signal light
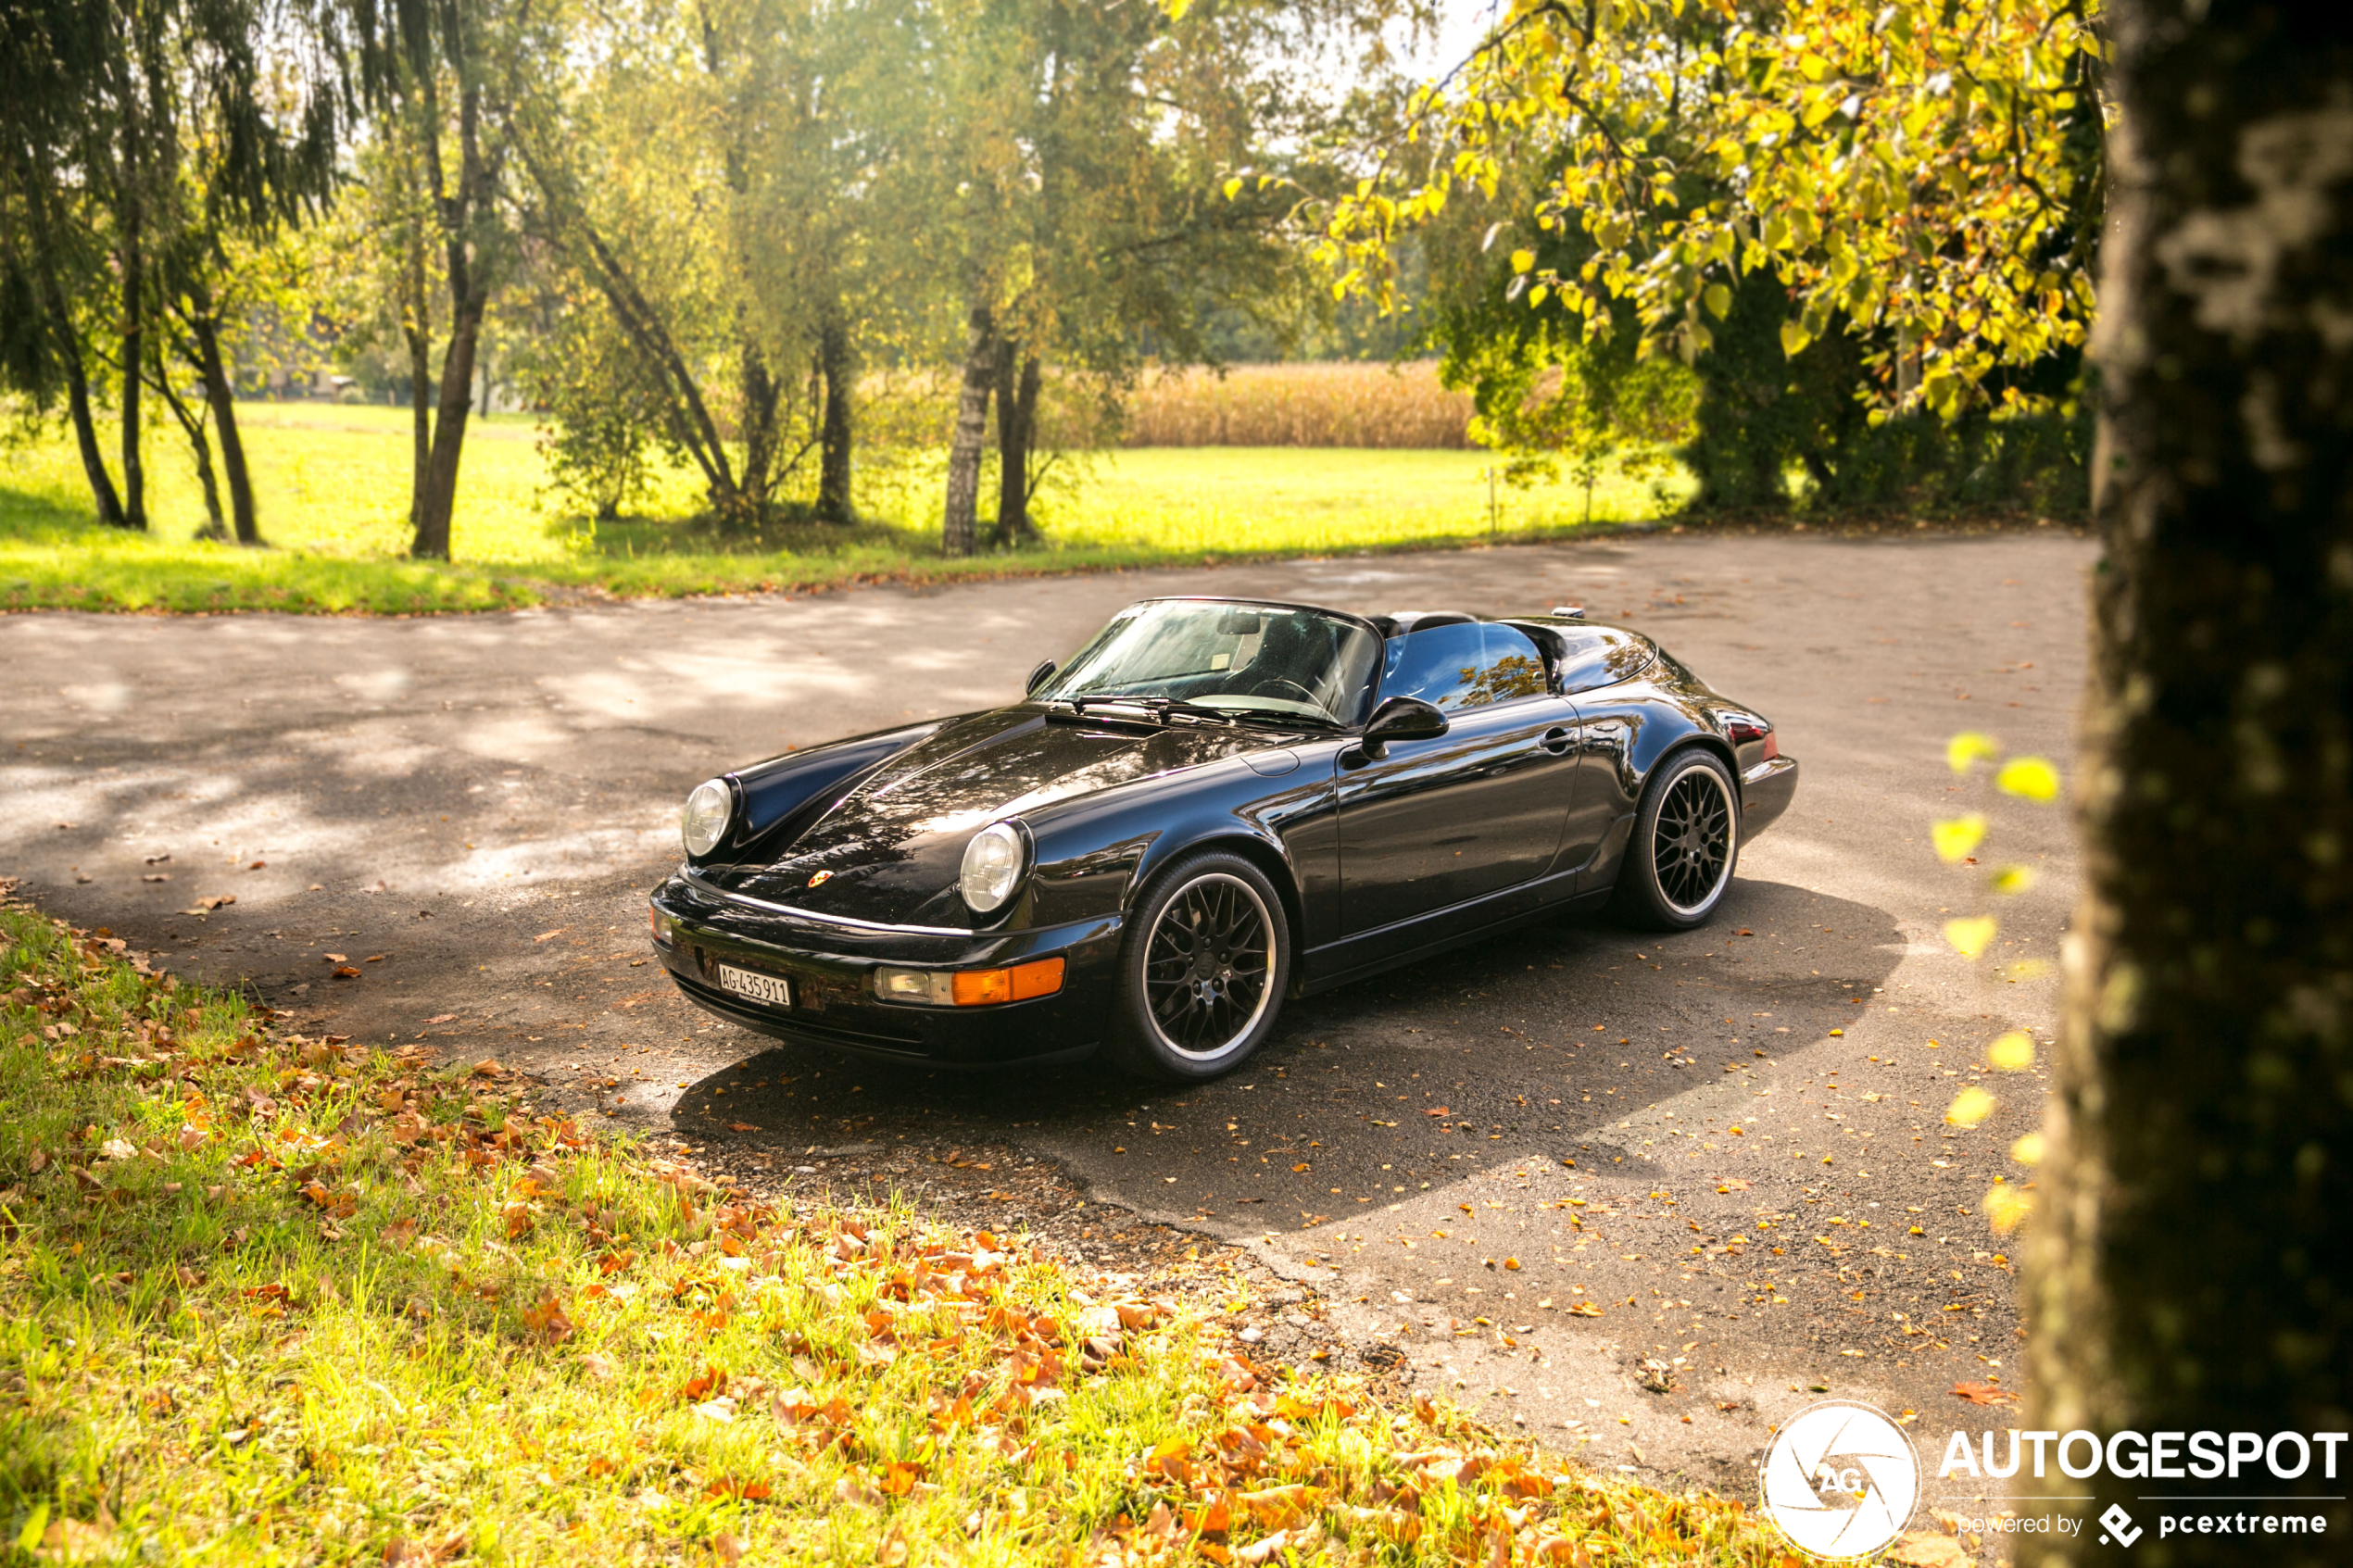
981, 988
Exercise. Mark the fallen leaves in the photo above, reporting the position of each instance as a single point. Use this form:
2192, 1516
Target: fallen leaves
1981, 1393
546, 1319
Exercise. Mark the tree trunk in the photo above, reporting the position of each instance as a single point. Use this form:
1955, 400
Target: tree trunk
85, 428
200, 449
134, 473
750, 503
2191, 1267
221, 398
437, 501
957, 528
1018, 376
835, 363
469, 277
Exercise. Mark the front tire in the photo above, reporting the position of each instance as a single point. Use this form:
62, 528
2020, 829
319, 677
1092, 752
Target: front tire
1202, 971
1685, 845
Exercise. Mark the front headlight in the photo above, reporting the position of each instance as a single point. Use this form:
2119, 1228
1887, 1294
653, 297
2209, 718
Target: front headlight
992, 868
704, 821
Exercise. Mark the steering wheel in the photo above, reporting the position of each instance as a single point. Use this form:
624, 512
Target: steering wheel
1267, 687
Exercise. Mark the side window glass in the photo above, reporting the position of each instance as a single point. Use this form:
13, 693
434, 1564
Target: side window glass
1600, 656
1461, 666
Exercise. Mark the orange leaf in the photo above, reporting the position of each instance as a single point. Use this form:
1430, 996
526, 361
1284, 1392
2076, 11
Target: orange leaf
1279, 1506
547, 1319
746, 1491
1981, 1393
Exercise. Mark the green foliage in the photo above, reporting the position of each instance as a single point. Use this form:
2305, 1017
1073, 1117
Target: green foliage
604, 418
1922, 177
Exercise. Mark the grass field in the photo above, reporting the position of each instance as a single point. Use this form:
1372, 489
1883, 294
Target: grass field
267, 1299
332, 486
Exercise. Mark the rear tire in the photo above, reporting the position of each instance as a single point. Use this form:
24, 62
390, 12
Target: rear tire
1685, 845
1202, 971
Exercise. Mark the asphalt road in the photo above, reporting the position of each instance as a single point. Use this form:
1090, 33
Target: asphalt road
1729, 1145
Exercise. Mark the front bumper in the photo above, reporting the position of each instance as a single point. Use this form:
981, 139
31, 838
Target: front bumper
831, 968
1766, 792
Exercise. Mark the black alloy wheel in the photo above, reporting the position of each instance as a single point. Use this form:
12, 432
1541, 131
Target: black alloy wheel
1202, 970
1685, 845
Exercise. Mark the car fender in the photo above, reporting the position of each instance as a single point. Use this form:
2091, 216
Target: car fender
1093, 855
771, 795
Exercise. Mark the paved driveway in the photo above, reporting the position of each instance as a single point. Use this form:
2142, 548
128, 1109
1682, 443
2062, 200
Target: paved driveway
1727, 1145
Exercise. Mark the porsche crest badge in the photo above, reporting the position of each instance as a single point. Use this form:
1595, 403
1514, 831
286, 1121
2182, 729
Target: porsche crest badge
821, 878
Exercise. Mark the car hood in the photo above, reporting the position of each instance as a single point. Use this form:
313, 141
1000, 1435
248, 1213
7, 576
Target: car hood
889, 848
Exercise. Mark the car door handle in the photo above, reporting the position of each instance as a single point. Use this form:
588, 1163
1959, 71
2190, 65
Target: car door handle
1556, 740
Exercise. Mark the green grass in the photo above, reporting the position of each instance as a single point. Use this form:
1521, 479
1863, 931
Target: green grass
331, 484
266, 1299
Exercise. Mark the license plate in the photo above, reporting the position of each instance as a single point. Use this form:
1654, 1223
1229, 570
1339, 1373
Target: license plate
773, 989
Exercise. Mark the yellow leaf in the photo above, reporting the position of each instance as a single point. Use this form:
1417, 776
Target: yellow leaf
2013, 1052
1970, 1107
2013, 879
1523, 260
1233, 189
1970, 747
2028, 1150
1718, 300
2028, 776
2006, 1206
1970, 936
1794, 339
1957, 837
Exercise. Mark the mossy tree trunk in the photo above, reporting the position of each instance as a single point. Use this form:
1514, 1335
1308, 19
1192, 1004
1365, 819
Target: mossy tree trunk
838, 364
2192, 1262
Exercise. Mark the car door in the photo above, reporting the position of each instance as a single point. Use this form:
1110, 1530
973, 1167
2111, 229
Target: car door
1479, 809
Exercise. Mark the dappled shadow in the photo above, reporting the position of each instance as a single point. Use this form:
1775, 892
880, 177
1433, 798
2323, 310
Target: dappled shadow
47, 517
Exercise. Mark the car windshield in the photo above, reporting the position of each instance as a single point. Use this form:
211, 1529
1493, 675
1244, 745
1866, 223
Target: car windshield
1246, 660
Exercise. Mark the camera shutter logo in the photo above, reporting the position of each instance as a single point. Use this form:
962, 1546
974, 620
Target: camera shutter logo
1841, 1479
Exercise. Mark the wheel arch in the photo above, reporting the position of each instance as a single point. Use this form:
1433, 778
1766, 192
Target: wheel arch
1268, 858
1673, 746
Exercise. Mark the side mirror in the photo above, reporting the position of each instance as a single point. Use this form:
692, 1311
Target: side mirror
1039, 677
1402, 717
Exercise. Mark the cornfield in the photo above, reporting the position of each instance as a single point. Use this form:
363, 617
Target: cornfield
1331, 405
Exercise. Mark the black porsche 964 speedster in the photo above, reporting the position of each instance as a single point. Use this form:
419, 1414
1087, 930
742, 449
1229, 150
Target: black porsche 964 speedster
1214, 805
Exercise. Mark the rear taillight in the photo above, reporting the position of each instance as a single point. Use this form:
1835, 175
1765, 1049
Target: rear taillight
1745, 728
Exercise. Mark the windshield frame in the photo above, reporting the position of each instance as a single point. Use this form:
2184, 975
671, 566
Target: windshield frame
1051, 693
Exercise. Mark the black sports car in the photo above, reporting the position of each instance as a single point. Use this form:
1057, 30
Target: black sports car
1214, 805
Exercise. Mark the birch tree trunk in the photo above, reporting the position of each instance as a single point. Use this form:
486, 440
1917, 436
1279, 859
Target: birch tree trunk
958, 524
2191, 1261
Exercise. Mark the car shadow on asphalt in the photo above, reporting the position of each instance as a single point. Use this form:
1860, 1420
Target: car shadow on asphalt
1549, 1037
